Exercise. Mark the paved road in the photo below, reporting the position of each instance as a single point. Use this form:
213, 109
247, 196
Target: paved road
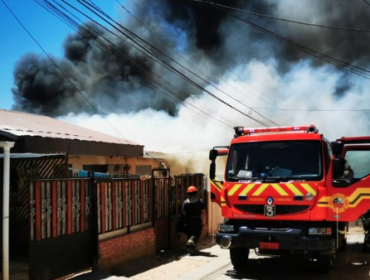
212, 262
349, 265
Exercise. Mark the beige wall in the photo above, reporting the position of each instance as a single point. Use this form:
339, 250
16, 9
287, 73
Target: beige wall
78, 161
215, 218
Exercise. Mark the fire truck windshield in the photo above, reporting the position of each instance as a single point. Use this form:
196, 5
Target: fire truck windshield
275, 161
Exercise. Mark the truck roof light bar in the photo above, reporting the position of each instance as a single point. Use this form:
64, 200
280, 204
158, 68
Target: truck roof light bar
239, 130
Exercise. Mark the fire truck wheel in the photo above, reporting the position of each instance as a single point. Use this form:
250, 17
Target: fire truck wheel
239, 257
324, 263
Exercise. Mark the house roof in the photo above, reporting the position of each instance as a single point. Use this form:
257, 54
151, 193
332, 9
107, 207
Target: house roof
33, 156
20, 124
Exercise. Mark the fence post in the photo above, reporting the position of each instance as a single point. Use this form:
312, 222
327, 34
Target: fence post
154, 193
94, 221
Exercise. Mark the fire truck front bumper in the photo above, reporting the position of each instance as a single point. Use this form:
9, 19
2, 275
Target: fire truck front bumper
275, 239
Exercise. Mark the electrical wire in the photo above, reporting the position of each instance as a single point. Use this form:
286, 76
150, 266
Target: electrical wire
140, 44
67, 19
329, 59
187, 61
174, 92
57, 66
176, 71
285, 20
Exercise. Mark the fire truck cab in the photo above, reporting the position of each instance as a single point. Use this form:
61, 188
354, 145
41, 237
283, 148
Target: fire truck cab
289, 190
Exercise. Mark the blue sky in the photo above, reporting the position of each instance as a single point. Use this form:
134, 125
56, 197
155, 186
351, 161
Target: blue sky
47, 29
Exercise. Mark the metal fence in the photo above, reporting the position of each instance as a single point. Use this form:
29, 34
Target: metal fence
59, 207
65, 206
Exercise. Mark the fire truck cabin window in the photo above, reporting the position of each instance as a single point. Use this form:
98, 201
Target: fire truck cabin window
359, 162
300, 160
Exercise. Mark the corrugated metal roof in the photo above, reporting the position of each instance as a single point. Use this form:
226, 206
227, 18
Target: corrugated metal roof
25, 124
33, 156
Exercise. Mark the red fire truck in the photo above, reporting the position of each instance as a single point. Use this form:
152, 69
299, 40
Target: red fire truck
289, 190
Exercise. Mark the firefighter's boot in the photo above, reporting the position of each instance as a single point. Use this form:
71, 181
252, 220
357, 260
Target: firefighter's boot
191, 245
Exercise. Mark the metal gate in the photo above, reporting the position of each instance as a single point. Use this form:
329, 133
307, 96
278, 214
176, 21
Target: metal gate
161, 183
62, 239
169, 195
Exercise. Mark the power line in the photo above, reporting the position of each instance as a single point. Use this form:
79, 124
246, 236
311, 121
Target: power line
156, 81
329, 59
54, 10
316, 110
287, 20
174, 70
57, 66
232, 97
144, 48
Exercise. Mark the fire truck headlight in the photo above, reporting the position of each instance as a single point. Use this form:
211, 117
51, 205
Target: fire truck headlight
309, 196
226, 228
319, 231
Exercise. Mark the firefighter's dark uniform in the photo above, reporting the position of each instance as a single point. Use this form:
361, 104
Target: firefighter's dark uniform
365, 218
192, 221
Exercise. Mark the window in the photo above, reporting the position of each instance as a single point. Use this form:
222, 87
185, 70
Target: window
359, 162
143, 169
96, 168
296, 159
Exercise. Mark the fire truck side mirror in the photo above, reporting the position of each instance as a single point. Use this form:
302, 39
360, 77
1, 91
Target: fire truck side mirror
213, 154
212, 170
338, 167
337, 148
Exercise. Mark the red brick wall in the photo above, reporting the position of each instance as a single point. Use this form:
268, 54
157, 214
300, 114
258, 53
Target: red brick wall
142, 243
118, 250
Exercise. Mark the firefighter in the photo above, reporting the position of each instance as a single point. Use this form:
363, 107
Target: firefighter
191, 221
349, 175
365, 218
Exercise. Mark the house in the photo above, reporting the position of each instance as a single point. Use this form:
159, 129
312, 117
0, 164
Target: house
82, 198
85, 149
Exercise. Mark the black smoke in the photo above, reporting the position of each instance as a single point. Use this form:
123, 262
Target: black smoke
111, 74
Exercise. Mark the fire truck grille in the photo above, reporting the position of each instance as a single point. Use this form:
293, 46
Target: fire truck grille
280, 209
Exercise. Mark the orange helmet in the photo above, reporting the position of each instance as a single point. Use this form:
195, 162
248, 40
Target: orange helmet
191, 189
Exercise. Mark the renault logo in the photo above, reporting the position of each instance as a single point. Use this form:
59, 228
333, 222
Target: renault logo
270, 200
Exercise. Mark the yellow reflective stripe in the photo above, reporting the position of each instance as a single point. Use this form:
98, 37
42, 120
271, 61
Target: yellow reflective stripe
260, 189
357, 193
234, 189
247, 189
219, 185
279, 189
308, 188
323, 202
294, 189
357, 196
215, 186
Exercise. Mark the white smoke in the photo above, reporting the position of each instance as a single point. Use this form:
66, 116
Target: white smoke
303, 96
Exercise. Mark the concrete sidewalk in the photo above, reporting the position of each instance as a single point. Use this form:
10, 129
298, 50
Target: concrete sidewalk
171, 264
177, 264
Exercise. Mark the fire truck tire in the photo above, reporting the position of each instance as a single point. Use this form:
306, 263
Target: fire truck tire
324, 263
239, 257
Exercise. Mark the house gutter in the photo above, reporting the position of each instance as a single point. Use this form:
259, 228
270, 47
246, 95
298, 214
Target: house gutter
6, 193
